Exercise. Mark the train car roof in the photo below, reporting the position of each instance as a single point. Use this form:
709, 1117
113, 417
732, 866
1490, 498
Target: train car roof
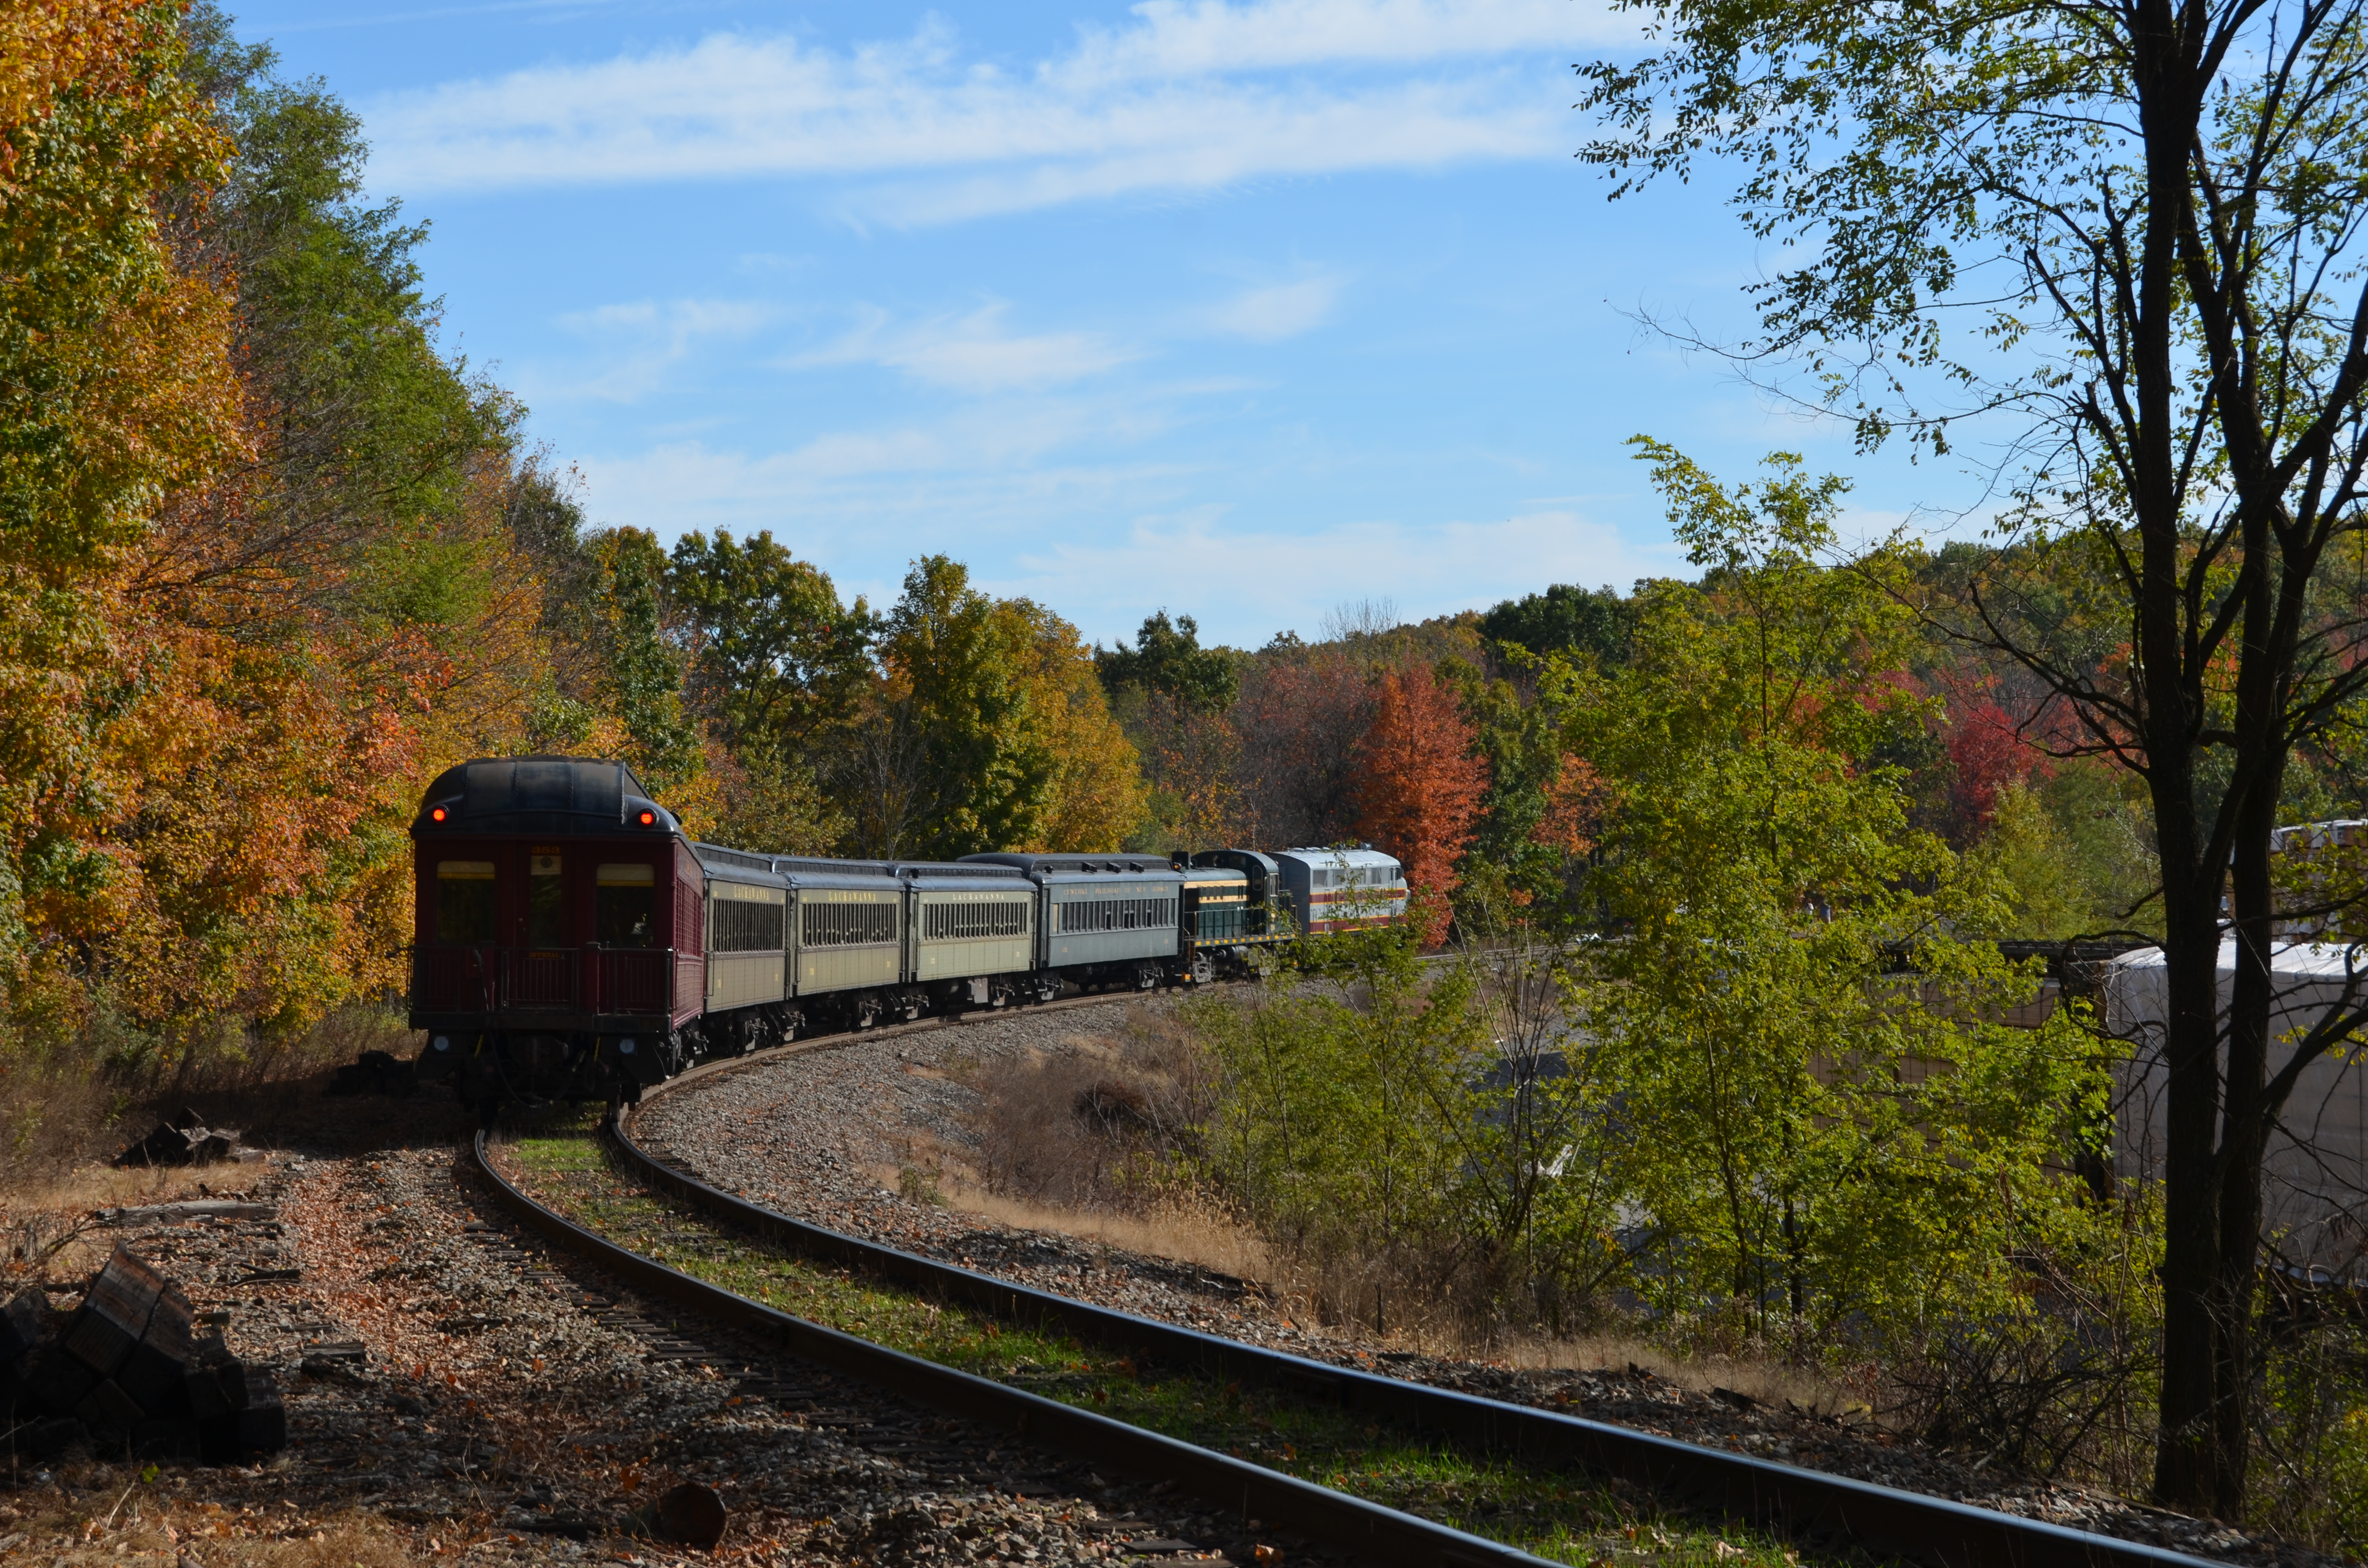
821, 871
961, 874
1066, 868
738, 865
1314, 854
540, 795
1234, 858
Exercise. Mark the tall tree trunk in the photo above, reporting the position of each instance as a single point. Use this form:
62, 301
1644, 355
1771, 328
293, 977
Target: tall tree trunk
2185, 1463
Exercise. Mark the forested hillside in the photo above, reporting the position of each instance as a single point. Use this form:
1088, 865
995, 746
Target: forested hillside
276, 555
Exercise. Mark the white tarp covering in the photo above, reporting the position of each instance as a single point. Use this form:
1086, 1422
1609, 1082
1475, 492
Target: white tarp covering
2314, 1189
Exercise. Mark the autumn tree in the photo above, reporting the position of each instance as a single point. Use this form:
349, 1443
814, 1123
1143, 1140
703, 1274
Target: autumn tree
118, 386
1302, 712
307, 596
987, 729
1419, 787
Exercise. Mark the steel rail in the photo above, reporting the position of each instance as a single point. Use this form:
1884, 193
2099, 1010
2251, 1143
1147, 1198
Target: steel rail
1811, 1504
1280, 1502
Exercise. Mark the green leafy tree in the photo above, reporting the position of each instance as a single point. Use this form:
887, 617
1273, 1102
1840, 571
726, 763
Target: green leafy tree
779, 666
1167, 661
1346, 1103
2148, 218
1811, 1138
643, 673
1564, 619
957, 744
774, 656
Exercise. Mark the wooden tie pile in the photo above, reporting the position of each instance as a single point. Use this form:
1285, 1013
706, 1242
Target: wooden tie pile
126, 1372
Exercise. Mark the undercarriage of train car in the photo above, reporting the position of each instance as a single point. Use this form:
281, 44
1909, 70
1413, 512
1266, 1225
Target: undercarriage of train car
528, 1065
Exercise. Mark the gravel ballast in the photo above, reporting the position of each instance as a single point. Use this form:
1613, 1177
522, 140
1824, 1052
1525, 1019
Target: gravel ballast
457, 1391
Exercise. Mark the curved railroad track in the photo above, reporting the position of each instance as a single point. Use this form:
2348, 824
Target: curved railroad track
1807, 1505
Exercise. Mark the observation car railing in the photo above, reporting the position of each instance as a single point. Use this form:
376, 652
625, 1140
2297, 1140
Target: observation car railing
590, 980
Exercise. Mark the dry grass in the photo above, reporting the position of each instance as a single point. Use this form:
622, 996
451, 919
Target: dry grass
1768, 1381
1173, 1228
45, 1230
82, 1100
1091, 1129
167, 1523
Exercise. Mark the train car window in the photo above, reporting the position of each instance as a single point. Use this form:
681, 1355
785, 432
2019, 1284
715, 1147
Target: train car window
846, 924
964, 921
745, 919
546, 902
464, 901
625, 906
1117, 913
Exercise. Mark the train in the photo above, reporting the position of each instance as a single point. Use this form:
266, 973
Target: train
573, 942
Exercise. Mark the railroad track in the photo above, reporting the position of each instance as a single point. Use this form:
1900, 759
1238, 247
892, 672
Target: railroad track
917, 1448
1809, 1506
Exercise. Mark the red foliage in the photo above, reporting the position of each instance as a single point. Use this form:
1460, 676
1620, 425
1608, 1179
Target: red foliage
1300, 721
1419, 787
1991, 756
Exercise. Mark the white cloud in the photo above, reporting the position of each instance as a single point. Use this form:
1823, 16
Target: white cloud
1186, 97
974, 354
1173, 39
637, 342
1280, 311
1245, 584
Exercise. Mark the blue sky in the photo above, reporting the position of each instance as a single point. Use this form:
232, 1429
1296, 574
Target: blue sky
1243, 310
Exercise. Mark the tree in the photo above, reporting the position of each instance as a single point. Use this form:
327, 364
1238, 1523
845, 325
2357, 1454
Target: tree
305, 600
117, 386
774, 656
1172, 696
644, 671
1167, 660
1806, 1144
1420, 782
777, 664
987, 729
1564, 619
1301, 715
1097, 792
1537, 818
2150, 211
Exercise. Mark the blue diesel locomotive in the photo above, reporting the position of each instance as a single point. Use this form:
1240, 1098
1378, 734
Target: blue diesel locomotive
573, 942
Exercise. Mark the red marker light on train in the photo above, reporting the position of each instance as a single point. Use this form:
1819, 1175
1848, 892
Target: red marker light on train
648, 819
436, 815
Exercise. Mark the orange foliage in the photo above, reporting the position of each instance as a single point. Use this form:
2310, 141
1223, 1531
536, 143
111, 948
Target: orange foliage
1574, 806
1419, 788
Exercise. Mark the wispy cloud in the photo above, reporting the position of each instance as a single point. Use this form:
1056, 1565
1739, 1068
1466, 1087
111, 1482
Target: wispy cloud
1247, 584
972, 353
1170, 38
1184, 98
1278, 310
634, 344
